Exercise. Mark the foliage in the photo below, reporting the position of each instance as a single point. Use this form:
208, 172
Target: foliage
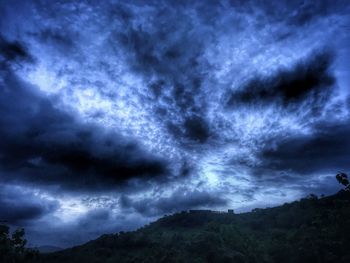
12, 246
342, 178
309, 230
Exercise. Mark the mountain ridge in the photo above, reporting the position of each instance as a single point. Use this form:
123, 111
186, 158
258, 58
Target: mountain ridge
308, 230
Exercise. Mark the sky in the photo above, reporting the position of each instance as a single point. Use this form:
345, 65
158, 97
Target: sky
115, 113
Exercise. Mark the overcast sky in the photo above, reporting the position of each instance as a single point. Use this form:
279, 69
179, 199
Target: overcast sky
114, 113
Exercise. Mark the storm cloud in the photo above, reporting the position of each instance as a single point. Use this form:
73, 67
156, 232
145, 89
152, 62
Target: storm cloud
46, 145
307, 80
20, 207
115, 113
326, 150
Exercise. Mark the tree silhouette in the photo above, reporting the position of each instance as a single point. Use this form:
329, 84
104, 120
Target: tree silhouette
12, 246
342, 178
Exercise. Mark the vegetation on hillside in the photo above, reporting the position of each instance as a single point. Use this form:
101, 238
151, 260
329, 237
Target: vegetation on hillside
309, 230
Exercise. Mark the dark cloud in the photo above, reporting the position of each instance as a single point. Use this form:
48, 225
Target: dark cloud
41, 143
326, 150
160, 71
308, 80
193, 129
197, 129
20, 208
181, 199
169, 52
11, 51
169, 57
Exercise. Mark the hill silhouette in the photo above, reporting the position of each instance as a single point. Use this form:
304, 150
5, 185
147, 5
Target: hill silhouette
309, 230
47, 249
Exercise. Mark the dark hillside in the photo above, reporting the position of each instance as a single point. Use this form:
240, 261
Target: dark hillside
309, 230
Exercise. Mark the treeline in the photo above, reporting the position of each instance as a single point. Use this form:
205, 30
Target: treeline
310, 230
